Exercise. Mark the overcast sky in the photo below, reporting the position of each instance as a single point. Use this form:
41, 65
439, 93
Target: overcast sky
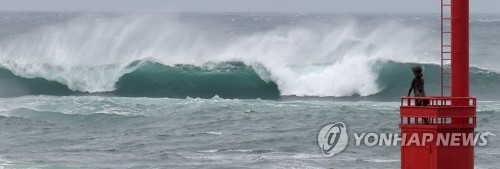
477, 6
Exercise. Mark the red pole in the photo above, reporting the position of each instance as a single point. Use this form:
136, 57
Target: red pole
461, 113
460, 48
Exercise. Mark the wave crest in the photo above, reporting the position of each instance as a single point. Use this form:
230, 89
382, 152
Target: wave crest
158, 56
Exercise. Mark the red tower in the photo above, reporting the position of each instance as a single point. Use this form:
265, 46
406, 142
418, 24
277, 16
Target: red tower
440, 135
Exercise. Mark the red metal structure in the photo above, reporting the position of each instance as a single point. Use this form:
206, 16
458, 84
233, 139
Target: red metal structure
445, 115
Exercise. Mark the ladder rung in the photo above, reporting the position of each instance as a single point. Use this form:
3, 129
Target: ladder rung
446, 4
445, 52
447, 73
446, 59
446, 85
446, 32
446, 18
446, 45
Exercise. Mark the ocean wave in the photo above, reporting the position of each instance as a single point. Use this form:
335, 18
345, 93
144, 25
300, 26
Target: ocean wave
237, 80
213, 133
149, 79
152, 56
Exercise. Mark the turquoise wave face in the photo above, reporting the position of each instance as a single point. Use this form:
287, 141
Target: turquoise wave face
236, 80
13, 86
226, 80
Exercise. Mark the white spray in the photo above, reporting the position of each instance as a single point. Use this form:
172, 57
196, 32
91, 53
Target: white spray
90, 54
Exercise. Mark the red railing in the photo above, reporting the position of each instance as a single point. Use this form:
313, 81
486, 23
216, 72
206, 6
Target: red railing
450, 111
437, 101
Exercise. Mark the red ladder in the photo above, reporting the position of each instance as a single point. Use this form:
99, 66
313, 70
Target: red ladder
446, 46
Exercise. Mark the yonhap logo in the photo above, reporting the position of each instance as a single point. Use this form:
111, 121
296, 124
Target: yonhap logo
333, 138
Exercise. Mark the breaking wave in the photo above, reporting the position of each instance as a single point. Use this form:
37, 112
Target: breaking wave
152, 56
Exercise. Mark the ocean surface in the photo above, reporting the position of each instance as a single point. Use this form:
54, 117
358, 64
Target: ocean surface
221, 90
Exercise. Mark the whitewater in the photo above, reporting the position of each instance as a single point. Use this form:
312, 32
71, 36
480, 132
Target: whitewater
91, 53
219, 90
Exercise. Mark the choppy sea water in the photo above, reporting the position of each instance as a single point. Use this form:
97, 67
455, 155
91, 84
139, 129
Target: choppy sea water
237, 90
111, 132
